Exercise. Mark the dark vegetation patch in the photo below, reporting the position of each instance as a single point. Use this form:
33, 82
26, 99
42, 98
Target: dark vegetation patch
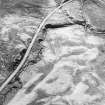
2, 97
13, 65
10, 90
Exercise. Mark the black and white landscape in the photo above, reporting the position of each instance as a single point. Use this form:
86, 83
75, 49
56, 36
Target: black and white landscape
52, 57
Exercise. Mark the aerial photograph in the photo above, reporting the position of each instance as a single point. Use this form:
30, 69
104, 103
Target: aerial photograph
52, 52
